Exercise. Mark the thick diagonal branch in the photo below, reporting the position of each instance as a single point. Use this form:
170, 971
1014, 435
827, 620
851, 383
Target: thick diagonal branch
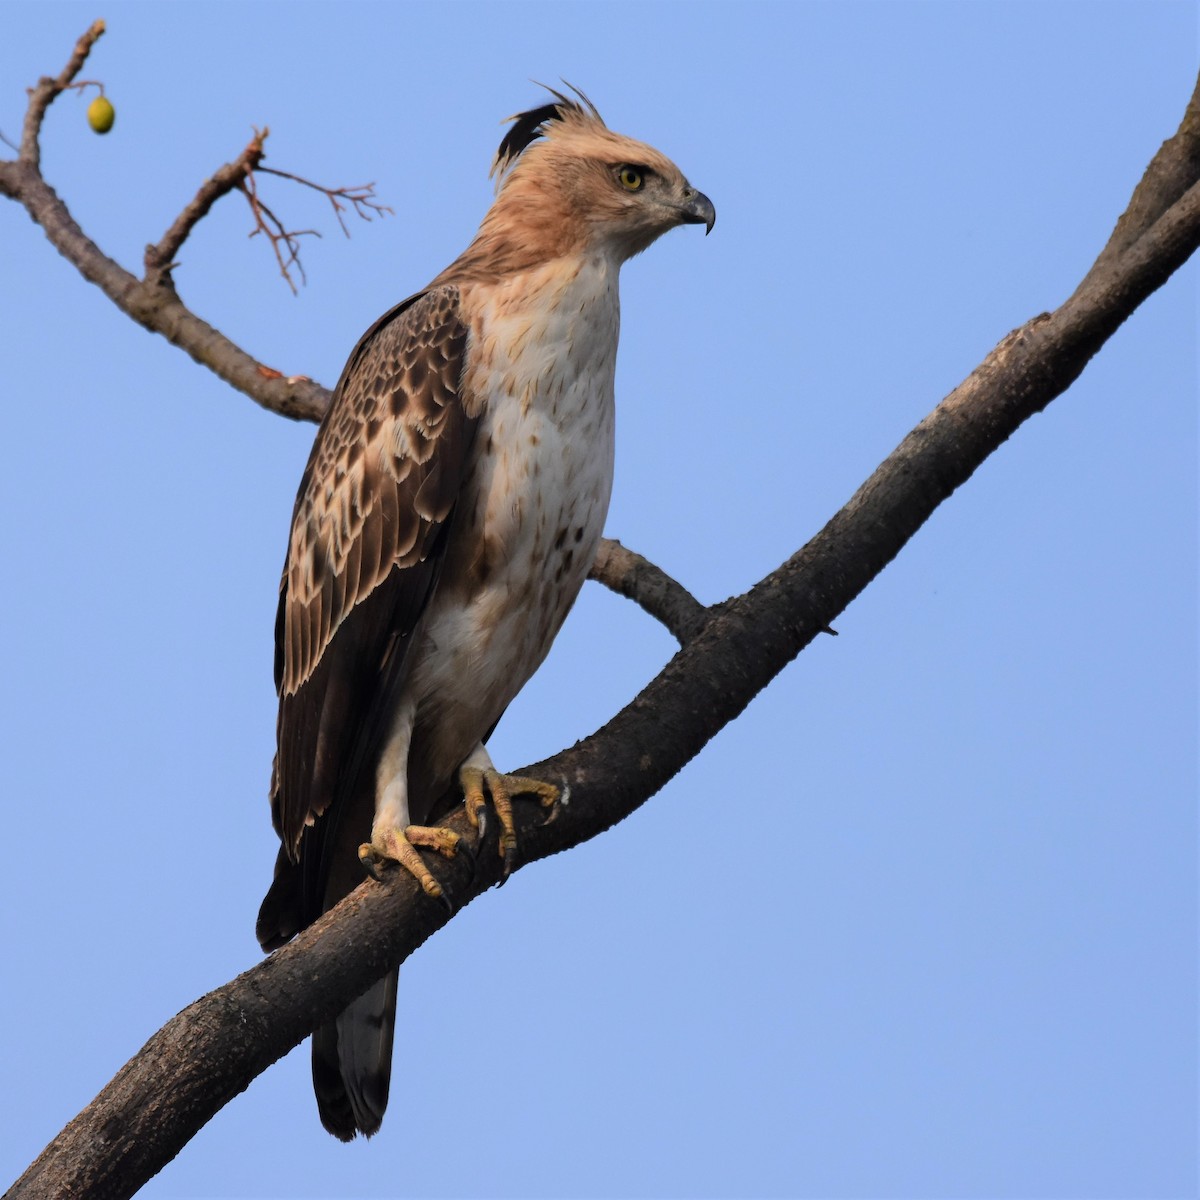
213, 1049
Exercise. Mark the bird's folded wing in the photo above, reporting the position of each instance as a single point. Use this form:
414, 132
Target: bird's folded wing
368, 534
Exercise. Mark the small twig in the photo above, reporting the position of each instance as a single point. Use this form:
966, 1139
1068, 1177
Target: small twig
240, 175
160, 258
80, 84
47, 90
360, 196
12, 145
638, 579
277, 233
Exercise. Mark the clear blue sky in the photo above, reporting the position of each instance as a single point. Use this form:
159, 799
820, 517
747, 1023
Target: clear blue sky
924, 922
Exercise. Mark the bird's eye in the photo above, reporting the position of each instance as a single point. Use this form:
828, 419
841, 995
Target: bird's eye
632, 180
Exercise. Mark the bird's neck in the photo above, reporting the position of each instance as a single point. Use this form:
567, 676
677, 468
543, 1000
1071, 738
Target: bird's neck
526, 229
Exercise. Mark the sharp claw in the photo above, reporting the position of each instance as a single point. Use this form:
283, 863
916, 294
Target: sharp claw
510, 862
502, 787
553, 807
366, 856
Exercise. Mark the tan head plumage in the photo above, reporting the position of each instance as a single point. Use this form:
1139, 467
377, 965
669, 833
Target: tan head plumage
568, 185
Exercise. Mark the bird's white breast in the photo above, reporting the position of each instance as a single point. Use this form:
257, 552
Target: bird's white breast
543, 354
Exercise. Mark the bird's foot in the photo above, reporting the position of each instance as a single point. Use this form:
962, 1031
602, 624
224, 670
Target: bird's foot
399, 846
502, 789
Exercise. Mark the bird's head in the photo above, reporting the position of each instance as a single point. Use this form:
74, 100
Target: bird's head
567, 184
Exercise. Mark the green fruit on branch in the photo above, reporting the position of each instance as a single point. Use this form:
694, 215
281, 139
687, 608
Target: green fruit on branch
101, 114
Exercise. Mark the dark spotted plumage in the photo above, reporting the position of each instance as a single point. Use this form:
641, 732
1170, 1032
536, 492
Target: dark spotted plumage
382, 478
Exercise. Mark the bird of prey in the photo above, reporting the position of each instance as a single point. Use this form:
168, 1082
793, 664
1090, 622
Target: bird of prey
446, 520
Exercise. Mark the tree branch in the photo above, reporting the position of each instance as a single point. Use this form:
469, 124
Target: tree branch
212, 1050
160, 258
266, 222
152, 302
360, 197
638, 579
47, 91
157, 307
1171, 172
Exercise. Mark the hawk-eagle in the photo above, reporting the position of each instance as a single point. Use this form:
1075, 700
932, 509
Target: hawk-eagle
446, 520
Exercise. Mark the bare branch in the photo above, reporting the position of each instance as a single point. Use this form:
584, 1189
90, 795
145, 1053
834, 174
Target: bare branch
1171, 172
160, 258
361, 197
636, 578
157, 307
266, 222
152, 302
285, 242
48, 90
239, 175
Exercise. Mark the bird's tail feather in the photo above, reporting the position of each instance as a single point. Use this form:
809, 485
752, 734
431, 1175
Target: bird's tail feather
352, 1062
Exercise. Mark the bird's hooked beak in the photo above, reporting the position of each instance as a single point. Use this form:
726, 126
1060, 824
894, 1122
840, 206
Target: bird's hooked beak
697, 209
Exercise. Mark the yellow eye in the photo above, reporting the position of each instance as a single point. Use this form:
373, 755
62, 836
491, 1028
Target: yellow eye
631, 179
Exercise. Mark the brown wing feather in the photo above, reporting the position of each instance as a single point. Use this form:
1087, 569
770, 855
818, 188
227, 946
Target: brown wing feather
384, 471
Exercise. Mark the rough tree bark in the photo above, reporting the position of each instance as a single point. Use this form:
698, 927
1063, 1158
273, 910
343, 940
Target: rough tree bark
213, 1049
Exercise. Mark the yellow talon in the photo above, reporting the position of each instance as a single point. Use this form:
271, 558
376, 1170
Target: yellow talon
502, 789
399, 846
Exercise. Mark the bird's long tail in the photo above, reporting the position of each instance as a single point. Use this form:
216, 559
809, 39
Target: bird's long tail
352, 1062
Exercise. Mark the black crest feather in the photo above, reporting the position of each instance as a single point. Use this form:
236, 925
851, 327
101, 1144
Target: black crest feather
528, 126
